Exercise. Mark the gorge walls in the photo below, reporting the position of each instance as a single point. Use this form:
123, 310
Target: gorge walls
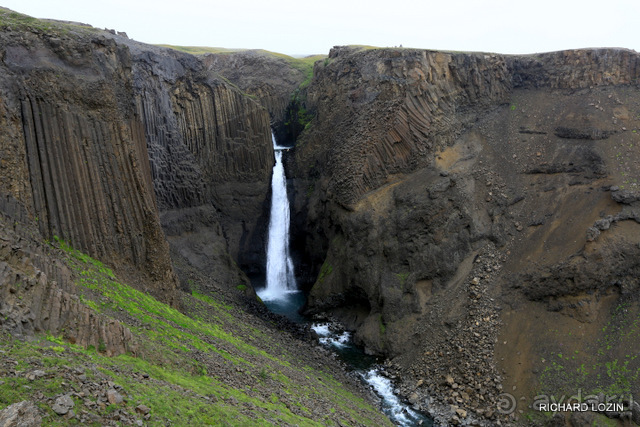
446, 200
211, 157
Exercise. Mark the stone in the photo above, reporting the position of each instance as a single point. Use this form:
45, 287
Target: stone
603, 224
35, 374
143, 409
592, 234
62, 404
449, 380
625, 196
114, 397
413, 398
635, 412
461, 413
21, 414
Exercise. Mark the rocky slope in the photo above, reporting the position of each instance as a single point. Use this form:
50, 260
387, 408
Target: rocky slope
473, 217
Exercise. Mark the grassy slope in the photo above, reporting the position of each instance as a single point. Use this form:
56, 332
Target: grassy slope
19, 22
203, 369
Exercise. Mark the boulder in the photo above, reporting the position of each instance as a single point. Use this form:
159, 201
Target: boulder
63, 404
21, 414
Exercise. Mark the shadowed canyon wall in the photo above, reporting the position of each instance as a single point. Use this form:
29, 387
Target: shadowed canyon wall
272, 79
211, 156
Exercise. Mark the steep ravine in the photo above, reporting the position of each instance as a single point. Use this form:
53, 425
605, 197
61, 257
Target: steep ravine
131, 172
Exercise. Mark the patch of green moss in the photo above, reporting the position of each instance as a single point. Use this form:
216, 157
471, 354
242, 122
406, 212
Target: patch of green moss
325, 271
402, 277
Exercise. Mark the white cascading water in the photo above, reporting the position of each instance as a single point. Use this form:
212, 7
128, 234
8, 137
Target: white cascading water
280, 275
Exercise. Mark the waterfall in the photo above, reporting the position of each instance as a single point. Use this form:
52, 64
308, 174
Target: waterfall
280, 278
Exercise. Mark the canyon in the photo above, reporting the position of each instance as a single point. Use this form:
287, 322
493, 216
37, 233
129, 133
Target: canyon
473, 218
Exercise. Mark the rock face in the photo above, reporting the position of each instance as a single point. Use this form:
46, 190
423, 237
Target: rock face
443, 201
101, 138
76, 151
210, 149
270, 78
21, 414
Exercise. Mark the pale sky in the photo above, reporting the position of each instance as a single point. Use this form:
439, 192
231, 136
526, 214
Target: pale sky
297, 27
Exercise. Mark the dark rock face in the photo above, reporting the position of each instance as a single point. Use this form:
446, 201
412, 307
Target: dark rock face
415, 97
433, 189
269, 78
80, 147
100, 132
209, 146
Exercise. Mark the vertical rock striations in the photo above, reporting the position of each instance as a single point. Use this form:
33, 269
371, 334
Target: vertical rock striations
100, 133
270, 78
68, 102
209, 148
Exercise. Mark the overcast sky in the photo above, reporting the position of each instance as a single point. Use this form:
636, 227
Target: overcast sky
314, 26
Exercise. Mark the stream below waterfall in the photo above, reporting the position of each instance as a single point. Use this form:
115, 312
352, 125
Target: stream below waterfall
281, 295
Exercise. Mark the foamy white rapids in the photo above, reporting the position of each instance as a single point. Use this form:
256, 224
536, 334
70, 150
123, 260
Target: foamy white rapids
340, 340
280, 275
399, 412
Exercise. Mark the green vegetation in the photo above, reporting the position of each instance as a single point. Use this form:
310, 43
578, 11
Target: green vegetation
20, 22
402, 277
200, 50
613, 368
325, 270
383, 327
199, 369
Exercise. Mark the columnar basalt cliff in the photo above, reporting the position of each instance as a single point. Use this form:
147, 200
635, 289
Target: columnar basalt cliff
270, 78
273, 79
77, 156
125, 170
445, 200
102, 134
211, 156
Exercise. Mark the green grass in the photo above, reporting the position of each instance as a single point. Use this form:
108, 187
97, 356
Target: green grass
20, 22
180, 389
200, 50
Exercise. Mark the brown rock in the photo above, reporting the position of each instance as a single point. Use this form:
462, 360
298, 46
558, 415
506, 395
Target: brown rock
143, 409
